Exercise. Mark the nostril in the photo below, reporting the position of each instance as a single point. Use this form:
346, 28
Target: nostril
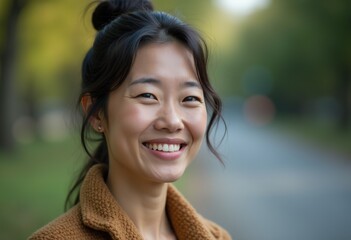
169, 124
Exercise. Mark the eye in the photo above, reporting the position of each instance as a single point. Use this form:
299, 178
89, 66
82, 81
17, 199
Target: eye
192, 99
147, 95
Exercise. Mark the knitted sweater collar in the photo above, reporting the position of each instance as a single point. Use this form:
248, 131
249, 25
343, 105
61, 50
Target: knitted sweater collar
101, 211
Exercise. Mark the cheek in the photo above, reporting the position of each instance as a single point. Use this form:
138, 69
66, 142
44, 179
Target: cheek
131, 119
197, 123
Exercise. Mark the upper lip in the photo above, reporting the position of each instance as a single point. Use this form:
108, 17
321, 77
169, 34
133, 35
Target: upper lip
166, 141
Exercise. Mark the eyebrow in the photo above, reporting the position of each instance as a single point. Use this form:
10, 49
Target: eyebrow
146, 81
154, 81
192, 84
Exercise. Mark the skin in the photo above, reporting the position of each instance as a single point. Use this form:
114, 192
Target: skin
161, 101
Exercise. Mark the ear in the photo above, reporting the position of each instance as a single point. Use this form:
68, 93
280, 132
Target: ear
95, 120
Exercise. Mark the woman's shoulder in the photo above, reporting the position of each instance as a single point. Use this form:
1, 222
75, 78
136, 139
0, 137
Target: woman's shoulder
217, 231
67, 226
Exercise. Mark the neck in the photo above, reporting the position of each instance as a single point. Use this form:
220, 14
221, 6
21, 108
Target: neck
143, 201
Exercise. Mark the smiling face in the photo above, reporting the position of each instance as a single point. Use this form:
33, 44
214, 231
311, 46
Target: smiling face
157, 117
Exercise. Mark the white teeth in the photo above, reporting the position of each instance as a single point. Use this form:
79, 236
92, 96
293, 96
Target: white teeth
163, 147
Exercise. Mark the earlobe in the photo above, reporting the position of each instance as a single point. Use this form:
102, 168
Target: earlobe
95, 119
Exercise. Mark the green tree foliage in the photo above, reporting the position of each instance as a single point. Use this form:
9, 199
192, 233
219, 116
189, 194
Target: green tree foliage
305, 48
53, 38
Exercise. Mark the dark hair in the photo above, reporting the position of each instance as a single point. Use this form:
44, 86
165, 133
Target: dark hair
123, 27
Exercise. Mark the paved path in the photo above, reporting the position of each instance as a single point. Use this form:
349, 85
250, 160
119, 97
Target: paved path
273, 187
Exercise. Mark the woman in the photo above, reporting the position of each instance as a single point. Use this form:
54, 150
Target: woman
146, 92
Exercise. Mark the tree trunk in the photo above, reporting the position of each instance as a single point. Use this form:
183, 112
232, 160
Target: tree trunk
7, 78
343, 96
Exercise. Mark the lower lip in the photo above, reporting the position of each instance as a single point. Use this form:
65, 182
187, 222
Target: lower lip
166, 155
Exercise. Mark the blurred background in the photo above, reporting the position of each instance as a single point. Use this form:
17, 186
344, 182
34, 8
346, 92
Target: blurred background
283, 69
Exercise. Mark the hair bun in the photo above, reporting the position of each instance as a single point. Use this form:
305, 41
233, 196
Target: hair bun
108, 10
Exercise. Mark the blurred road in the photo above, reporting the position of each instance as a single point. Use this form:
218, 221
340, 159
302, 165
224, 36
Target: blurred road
274, 187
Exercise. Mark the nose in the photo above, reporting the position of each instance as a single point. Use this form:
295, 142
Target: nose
169, 118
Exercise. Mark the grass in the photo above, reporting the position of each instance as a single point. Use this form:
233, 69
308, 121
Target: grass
34, 181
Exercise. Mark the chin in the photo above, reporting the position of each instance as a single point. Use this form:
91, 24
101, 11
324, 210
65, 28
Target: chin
169, 176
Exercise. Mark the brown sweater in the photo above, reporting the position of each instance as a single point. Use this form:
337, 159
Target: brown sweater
98, 216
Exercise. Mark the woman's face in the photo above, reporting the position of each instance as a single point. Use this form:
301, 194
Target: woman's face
157, 117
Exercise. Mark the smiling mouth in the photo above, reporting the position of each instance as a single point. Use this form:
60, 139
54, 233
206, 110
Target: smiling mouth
163, 147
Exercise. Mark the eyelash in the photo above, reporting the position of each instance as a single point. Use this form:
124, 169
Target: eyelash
194, 98
147, 95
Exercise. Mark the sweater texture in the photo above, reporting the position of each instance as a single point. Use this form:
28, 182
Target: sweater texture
99, 216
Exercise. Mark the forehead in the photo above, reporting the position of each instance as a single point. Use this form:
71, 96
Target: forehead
170, 59
170, 47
